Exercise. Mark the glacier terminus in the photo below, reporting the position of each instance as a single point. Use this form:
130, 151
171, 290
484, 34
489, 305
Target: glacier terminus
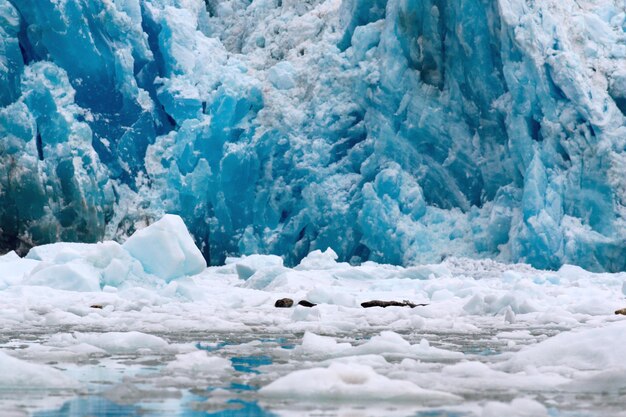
398, 131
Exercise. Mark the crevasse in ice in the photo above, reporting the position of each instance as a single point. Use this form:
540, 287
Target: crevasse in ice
400, 131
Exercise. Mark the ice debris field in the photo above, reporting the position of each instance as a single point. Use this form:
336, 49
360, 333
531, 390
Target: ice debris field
396, 131
146, 329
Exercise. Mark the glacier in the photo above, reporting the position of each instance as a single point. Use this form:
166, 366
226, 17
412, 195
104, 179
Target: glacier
397, 131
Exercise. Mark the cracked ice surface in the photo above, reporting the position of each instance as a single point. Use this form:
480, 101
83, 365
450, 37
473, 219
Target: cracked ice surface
493, 340
397, 131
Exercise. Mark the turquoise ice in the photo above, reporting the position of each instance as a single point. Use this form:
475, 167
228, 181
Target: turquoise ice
401, 131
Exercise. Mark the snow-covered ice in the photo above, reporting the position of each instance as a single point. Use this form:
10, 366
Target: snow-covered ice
492, 339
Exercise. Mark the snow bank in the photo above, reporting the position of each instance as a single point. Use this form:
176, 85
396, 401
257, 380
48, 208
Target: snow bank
166, 249
342, 382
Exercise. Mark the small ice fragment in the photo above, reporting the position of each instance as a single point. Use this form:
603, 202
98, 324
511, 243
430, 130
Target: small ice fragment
249, 265
319, 260
509, 315
199, 363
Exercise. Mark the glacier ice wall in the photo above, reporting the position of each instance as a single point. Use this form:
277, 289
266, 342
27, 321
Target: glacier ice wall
400, 131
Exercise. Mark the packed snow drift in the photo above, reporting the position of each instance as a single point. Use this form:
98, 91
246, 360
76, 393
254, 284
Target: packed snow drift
100, 329
397, 131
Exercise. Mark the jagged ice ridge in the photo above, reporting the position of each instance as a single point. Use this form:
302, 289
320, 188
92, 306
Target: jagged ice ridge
398, 131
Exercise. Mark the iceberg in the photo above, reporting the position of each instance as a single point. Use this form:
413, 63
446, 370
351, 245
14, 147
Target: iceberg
396, 131
166, 249
155, 256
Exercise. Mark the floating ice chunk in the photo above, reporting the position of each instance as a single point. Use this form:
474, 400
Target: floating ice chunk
113, 342
199, 364
353, 382
512, 302
22, 375
386, 344
266, 279
72, 276
166, 249
607, 381
319, 260
509, 315
588, 349
249, 265
74, 353
108, 260
313, 344
519, 407
392, 343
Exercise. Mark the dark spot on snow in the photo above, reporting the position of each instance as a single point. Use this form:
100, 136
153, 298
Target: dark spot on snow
283, 303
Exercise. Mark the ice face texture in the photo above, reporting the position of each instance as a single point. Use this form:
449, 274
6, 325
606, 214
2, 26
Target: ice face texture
400, 131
